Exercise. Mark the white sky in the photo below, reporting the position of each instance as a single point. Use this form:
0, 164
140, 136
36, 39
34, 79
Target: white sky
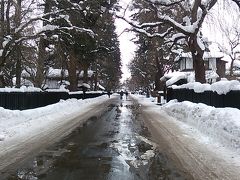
227, 12
127, 47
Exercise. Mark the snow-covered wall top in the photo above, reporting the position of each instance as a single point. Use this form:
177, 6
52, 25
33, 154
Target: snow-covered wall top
53, 73
21, 89
221, 87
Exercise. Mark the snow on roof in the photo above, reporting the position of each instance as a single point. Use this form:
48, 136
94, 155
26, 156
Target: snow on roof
101, 87
90, 73
221, 87
211, 75
206, 55
84, 85
173, 77
56, 72
28, 72
213, 54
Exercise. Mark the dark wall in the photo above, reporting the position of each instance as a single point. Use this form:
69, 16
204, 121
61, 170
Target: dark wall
231, 99
30, 100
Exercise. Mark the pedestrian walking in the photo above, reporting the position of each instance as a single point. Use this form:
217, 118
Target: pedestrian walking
121, 94
109, 93
126, 93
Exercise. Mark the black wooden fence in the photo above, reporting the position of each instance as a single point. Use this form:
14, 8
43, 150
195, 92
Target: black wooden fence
231, 99
30, 100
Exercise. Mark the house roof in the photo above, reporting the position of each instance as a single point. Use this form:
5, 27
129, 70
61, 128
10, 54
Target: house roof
173, 77
101, 87
57, 72
206, 55
90, 73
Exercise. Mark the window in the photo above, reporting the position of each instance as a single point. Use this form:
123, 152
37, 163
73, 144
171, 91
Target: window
183, 64
206, 64
189, 63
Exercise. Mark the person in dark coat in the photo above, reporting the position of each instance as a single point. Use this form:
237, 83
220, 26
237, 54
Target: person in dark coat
126, 93
109, 93
121, 94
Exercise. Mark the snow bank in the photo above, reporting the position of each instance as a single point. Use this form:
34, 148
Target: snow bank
211, 125
14, 123
220, 124
221, 87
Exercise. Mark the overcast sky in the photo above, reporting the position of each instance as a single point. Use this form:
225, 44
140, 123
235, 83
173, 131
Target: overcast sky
127, 47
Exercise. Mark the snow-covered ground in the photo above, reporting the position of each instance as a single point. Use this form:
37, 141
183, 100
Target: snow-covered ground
216, 128
15, 123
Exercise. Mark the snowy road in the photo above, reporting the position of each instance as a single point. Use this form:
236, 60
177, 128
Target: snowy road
28, 144
113, 139
112, 145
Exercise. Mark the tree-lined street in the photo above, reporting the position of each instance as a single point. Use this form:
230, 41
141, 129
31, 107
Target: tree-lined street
112, 144
108, 126
119, 139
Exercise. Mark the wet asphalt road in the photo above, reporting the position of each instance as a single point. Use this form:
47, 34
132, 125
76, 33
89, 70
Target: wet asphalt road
114, 146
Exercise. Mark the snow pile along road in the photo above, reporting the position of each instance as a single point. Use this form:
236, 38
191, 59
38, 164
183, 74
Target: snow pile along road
219, 126
15, 123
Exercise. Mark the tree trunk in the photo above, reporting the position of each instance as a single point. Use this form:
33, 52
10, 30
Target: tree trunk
198, 65
72, 72
197, 56
85, 72
40, 64
42, 53
95, 81
18, 67
231, 67
2, 82
2, 10
18, 47
158, 75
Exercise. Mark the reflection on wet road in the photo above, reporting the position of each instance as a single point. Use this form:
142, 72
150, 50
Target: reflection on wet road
112, 147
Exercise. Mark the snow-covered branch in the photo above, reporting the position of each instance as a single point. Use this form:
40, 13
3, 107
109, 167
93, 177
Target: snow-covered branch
167, 3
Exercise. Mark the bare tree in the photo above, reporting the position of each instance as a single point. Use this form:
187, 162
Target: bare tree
230, 31
185, 18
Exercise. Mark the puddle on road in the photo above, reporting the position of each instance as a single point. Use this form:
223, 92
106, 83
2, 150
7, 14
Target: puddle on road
112, 147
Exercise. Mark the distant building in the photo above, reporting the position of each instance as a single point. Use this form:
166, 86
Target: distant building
56, 78
214, 65
212, 61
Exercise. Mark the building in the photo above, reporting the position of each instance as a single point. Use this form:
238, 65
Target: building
215, 68
56, 78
